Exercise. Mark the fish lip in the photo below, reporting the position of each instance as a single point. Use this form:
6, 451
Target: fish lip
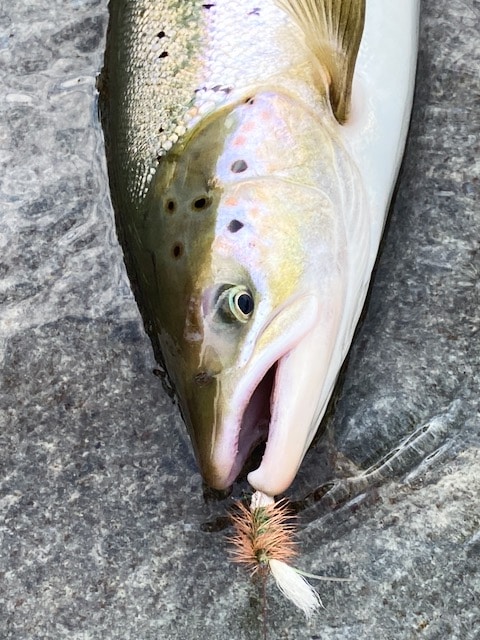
226, 458
240, 455
234, 456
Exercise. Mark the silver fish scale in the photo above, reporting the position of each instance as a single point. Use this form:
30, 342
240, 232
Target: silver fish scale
247, 44
153, 66
179, 61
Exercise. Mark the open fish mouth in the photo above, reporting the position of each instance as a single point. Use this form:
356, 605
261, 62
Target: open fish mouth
253, 413
255, 422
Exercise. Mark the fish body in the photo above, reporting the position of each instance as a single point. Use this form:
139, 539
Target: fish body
250, 179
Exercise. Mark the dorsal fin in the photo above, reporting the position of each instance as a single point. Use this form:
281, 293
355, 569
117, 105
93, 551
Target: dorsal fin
332, 30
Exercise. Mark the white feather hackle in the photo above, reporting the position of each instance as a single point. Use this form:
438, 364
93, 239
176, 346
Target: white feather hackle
294, 587
260, 499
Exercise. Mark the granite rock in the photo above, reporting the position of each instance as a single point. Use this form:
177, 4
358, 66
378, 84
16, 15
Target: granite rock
105, 528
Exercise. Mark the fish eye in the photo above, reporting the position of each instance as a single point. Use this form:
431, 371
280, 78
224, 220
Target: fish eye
236, 303
241, 304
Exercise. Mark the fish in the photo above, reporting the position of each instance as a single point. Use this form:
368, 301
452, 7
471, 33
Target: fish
252, 150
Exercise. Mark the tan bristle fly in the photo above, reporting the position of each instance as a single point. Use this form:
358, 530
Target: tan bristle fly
264, 541
263, 534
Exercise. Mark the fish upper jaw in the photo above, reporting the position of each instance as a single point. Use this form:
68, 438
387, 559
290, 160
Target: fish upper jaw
245, 403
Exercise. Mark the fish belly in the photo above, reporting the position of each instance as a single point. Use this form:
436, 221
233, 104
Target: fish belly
382, 96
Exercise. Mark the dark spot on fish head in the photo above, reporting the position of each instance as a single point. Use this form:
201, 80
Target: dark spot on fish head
164, 54
171, 206
235, 225
203, 378
177, 250
239, 166
161, 34
199, 204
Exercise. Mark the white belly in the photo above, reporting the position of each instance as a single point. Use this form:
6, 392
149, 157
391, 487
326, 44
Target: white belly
381, 101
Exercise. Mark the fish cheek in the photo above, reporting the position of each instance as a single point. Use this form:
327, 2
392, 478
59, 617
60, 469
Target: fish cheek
178, 227
177, 232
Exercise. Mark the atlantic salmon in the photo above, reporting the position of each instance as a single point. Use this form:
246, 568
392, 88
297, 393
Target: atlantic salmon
252, 151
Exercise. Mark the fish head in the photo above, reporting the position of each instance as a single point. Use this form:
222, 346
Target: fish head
246, 293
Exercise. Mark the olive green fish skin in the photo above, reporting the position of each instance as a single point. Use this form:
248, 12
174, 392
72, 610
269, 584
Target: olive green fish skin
217, 121
143, 96
150, 78
186, 190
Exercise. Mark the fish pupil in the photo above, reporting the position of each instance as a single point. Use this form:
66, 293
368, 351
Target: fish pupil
245, 303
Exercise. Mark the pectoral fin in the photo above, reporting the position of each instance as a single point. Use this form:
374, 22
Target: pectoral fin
332, 30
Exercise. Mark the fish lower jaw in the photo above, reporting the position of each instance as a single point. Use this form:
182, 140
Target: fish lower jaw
250, 429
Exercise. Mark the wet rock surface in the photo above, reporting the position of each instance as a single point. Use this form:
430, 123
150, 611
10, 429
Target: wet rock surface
105, 530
